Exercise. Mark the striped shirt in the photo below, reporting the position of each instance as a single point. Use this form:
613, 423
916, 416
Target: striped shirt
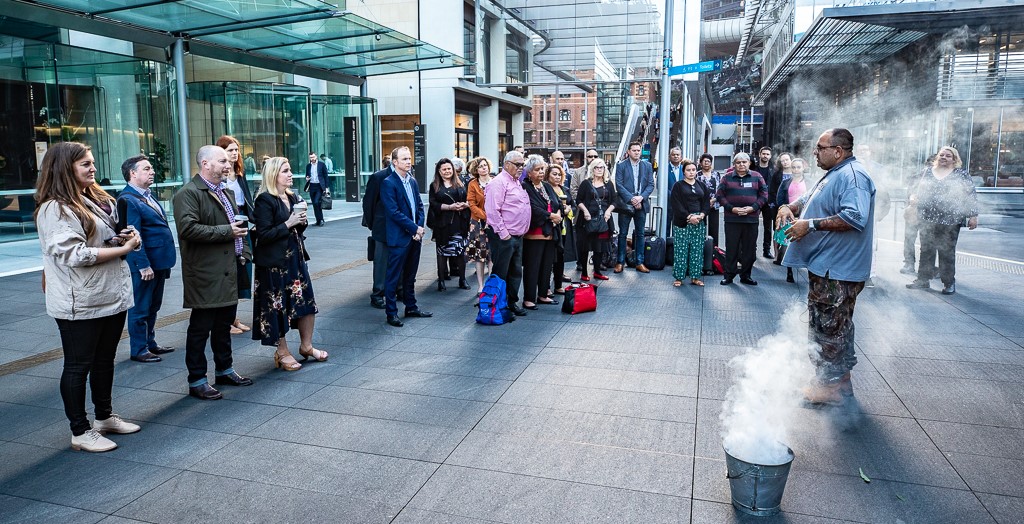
219, 191
736, 191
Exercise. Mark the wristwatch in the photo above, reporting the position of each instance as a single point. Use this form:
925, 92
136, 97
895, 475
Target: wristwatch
812, 225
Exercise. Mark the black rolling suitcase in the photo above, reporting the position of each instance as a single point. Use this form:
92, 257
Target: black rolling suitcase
654, 253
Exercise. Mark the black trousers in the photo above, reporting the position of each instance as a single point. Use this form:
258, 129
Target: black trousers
380, 268
538, 257
316, 195
740, 246
507, 263
213, 324
713, 222
938, 241
89, 348
451, 267
558, 267
768, 220
581, 247
403, 262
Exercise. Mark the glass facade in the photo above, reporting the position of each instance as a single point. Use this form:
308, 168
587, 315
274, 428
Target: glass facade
119, 105
328, 113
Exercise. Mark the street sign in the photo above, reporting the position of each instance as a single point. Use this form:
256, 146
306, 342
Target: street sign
699, 67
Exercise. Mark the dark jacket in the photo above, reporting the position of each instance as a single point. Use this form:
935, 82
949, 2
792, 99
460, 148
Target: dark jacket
445, 224
157, 242
736, 191
401, 222
271, 242
587, 195
772, 178
539, 214
321, 175
208, 263
373, 210
689, 200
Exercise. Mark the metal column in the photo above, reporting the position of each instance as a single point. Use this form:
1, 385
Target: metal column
665, 119
184, 153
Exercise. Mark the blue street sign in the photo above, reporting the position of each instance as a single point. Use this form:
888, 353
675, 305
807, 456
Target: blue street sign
699, 67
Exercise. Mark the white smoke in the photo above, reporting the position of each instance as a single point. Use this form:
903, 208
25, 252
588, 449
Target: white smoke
766, 392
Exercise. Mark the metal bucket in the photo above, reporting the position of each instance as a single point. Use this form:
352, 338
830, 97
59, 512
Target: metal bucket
757, 488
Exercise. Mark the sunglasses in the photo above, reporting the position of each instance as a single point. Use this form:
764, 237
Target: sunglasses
591, 156
518, 164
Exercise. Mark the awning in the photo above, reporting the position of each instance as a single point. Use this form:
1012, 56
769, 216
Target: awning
309, 33
868, 34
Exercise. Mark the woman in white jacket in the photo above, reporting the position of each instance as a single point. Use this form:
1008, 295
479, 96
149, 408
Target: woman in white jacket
87, 285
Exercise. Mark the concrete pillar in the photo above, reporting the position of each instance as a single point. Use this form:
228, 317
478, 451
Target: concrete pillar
488, 130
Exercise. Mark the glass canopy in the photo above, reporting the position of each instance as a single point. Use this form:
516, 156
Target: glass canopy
306, 32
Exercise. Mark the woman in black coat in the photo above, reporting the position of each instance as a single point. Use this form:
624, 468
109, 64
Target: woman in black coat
539, 241
691, 202
448, 217
594, 198
283, 291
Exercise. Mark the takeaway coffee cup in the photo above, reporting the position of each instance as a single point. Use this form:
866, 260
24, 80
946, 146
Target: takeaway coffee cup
241, 218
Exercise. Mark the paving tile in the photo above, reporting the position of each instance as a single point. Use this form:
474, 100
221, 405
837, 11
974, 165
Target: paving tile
967, 353
211, 497
469, 349
590, 428
465, 366
625, 468
44, 392
433, 384
959, 388
29, 419
975, 439
503, 497
120, 520
370, 435
949, 369
588, 400
385, 481
679, 365
705, 512
967, 411
620, 380
221, 416
419, 409
32, 472
525, 331
998, 475
23, 510
419, 516
1006, 510
625, 339
156, 444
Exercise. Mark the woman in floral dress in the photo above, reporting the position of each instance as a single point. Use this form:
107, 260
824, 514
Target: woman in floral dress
283, 293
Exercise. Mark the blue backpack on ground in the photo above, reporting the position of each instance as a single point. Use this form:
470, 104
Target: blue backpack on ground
493, 306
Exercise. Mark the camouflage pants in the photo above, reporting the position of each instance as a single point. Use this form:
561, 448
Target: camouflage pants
830, 306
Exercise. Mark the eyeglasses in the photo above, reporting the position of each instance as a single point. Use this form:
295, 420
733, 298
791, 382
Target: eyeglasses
598, 167
591, 156
518, 164
818, 148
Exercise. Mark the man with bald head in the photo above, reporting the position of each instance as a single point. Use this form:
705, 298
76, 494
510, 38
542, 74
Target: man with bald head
832, 239
210, 239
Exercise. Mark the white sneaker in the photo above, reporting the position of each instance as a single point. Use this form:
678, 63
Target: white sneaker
115, 424
92, 441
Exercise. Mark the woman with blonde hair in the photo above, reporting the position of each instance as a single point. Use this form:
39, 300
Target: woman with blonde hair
477, 249
283, 291
595, 200
944, 201
87, 285
239, 186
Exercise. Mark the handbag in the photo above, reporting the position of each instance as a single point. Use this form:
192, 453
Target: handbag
579, 298
326, 200
597, 224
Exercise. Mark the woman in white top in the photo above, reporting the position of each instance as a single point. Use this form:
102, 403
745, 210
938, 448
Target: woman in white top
87, 285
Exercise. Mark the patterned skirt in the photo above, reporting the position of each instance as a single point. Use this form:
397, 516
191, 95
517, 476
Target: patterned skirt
282, 296
477, 249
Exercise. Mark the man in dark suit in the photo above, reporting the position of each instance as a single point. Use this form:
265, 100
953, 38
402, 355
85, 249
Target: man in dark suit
316, 183
634, 183
403, 223
373, 219
150, 266
773, 178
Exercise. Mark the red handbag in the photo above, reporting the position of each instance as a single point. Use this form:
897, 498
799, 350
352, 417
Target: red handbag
579, 298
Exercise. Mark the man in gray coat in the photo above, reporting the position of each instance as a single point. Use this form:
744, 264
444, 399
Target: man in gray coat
211, 242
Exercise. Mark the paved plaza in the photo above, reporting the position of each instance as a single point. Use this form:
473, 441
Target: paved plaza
606, 417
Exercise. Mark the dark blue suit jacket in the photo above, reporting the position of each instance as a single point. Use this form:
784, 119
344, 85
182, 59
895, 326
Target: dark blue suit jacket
157, 242
321, 174
624, 183
401, 222
373, 210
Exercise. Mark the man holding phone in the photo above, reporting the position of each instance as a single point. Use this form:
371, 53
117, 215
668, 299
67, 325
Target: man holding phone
210, 234
150, 266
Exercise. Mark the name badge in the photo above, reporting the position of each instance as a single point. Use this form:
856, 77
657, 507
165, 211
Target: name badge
748, 184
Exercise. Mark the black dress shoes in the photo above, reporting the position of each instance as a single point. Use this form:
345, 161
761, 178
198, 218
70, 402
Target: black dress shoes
518, 310
160, 350
726, 281
205, 392
463, 284
377, 302
440, 285
393, 320
748, 281
418, 313
233, 379
949, 290
767, 254
146, 356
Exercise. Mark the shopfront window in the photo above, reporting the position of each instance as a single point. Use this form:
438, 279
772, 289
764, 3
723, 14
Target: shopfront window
118, 105
466, 143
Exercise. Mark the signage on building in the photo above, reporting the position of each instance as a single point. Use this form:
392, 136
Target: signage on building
419, 153
699, 67
351, 126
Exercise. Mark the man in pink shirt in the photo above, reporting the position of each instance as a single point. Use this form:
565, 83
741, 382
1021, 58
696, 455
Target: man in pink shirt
508, 214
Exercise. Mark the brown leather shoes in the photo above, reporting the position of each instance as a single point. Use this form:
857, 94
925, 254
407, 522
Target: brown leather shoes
618, 268
642, 269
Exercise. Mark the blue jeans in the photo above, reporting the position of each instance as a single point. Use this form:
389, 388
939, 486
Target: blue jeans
639, 218
149, 296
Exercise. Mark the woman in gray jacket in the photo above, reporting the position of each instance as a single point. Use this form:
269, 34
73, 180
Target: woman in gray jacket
87, 286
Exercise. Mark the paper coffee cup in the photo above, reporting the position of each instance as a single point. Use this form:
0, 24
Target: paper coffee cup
241, 218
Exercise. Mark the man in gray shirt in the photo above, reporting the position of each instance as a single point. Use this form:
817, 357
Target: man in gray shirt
833, 240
